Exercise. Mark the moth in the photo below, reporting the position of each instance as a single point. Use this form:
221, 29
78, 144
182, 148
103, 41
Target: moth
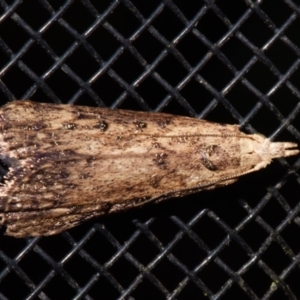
67, 164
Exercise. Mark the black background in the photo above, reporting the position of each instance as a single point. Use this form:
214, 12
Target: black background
228, 61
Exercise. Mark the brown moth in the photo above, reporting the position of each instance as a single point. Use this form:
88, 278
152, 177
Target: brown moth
68, 163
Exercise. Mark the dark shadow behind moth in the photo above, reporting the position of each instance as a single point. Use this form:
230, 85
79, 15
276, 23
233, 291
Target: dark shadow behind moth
68, 163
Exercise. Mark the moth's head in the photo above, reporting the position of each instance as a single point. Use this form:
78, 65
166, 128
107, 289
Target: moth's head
260, 151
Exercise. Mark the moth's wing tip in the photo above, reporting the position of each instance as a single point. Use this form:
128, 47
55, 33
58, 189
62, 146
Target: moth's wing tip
3, 225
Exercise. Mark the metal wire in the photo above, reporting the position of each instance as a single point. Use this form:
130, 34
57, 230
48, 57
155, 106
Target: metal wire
228, 61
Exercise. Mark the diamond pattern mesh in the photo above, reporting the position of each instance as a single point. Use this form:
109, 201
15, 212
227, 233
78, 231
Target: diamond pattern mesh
230, 61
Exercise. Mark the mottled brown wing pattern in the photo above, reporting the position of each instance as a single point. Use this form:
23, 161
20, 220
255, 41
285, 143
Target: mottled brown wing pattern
70, 163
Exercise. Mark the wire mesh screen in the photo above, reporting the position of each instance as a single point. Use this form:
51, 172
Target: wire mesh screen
229, 61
